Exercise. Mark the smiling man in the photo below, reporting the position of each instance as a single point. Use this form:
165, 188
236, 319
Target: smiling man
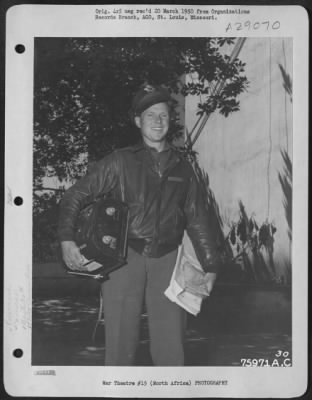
164, 198
154, 125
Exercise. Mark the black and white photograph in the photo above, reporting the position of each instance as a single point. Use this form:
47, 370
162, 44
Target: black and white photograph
164, 183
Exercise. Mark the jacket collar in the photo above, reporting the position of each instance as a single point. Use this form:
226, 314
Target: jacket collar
142, 146
137, 147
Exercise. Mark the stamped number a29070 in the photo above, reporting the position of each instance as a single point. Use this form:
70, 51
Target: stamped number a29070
248, 25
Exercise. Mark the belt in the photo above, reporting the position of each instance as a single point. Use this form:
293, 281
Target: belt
147, 248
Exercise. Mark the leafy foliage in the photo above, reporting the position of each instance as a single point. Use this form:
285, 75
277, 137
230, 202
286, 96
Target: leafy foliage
45, 218
247, 233
253, 243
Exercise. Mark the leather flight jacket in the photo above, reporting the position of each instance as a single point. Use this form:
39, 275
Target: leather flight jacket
161, 204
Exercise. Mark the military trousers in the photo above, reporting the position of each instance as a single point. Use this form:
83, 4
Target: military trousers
142, 280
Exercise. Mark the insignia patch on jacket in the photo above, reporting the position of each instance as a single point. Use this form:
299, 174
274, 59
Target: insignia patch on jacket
175, 179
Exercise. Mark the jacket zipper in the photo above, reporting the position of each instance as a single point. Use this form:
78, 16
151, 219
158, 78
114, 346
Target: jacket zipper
158, 206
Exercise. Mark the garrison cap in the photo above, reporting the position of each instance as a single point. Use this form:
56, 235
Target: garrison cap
147, 96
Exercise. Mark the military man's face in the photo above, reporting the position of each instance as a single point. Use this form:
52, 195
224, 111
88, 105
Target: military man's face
154, 123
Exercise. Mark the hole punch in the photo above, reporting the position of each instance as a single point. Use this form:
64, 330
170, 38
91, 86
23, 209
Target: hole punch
19, 48
18, 353
18, 201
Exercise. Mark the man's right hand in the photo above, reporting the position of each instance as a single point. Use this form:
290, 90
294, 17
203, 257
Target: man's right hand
72, 256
